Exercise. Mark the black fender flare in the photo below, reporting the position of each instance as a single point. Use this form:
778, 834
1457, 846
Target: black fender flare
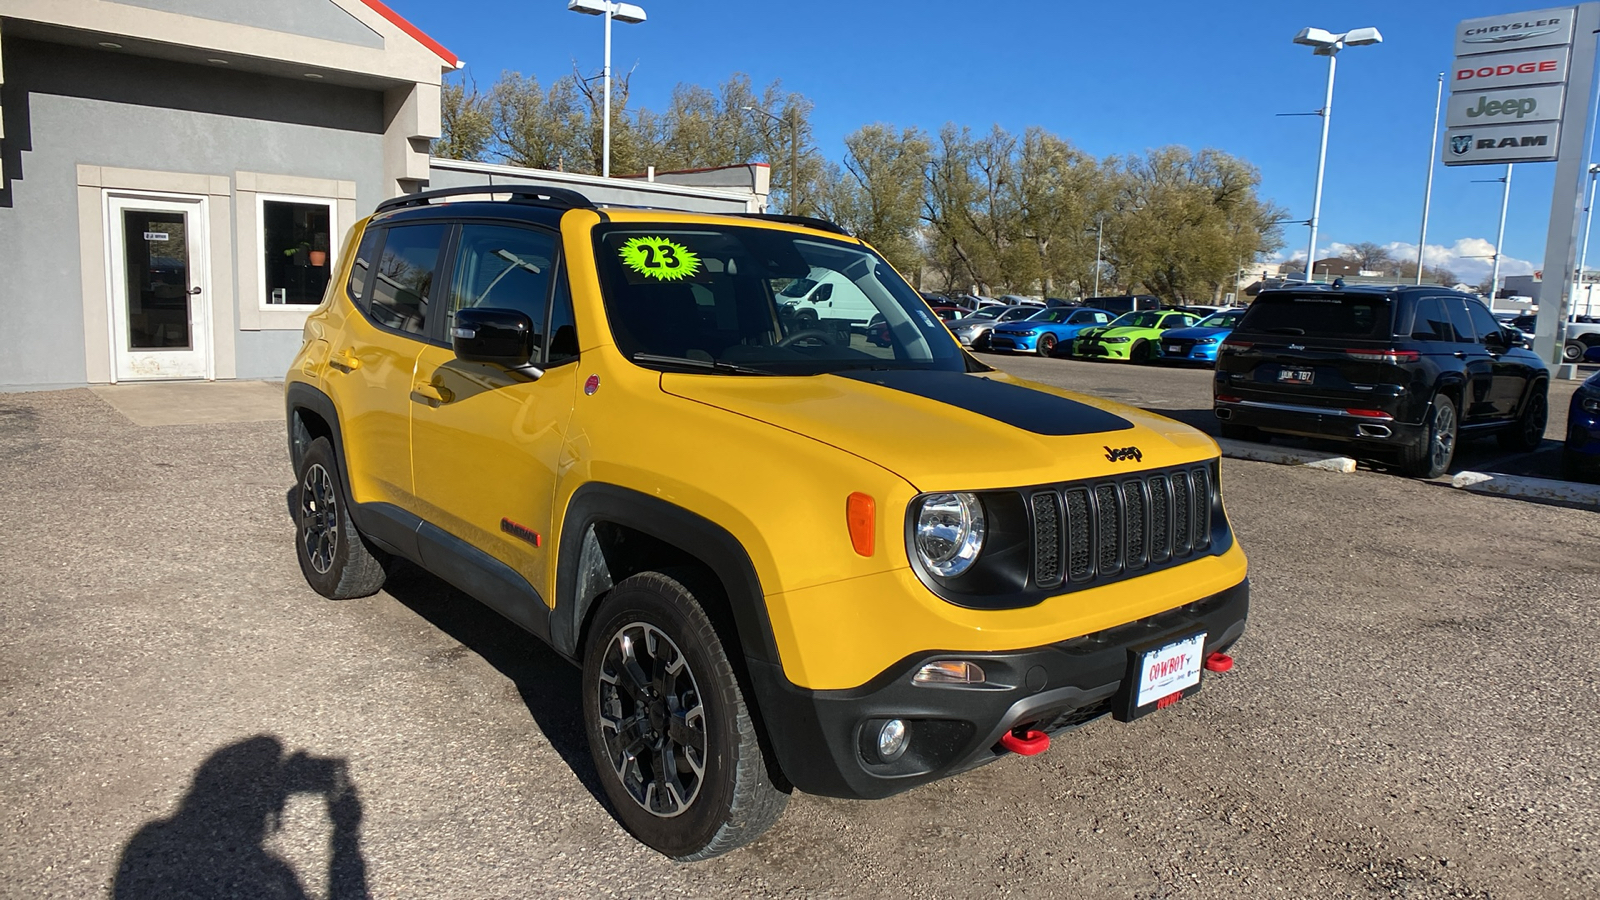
673, 525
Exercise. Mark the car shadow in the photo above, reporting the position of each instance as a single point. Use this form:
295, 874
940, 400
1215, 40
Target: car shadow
214, 845
549, 686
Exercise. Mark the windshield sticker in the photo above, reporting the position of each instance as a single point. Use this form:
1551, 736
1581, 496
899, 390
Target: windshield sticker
659, 258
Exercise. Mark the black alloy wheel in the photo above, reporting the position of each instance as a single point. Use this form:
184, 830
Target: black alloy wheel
1432, 457
336, 560
1526, 434
671, 734
1140, 352
1047, 343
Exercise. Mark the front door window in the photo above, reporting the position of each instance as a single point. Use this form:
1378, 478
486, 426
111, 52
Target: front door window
159, 309
156, 267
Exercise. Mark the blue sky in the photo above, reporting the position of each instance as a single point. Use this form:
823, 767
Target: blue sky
1114, 78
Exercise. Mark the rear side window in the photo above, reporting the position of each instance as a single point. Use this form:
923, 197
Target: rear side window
1319, 315
1461, 319
404, 279
1432, 322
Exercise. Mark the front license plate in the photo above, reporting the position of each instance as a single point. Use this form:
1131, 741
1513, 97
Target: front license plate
1174, 348
1163, 673
1296, 376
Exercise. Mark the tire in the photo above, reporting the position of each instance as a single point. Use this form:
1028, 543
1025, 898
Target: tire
337, 561
1573, 351
1526, 434
1047, 343
1244, 433
1139, 353
1432, 457
702, 810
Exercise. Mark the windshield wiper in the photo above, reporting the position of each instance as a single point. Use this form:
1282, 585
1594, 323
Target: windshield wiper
708, 365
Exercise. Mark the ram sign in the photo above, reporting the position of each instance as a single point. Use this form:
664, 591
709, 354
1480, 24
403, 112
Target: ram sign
1508, 88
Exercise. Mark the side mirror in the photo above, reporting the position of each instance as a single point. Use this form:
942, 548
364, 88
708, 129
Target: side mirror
1592, 354
503, 337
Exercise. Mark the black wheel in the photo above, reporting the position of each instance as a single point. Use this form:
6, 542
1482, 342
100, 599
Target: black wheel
1244, 433
1432, 457
337, 561
1047, 343
1527, 433
1573, 352
1140, 353
668, 725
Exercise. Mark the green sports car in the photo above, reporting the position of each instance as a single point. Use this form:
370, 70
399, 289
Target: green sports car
1131, 336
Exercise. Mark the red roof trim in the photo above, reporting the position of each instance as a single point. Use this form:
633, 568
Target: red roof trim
415, 32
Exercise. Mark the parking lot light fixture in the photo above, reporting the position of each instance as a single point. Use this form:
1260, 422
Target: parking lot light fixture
622, 12
1326, 43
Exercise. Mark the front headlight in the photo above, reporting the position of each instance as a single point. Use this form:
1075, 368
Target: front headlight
949, 532
1591, 405
1115, 340
1206, 341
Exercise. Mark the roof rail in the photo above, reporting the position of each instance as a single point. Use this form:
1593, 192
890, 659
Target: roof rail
535, 195
807, 221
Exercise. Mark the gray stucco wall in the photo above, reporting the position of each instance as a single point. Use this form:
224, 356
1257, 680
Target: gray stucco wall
312, 18
64, 106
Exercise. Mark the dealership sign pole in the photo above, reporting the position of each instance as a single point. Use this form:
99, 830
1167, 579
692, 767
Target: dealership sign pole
1519, 92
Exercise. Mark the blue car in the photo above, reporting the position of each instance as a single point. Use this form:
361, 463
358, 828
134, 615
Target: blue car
1580, 458
1200, 342
1042, 331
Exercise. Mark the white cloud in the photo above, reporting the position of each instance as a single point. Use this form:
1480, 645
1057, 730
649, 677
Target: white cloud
1468, 258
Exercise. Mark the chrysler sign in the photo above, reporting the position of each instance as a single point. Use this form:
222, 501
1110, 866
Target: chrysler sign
1518, 31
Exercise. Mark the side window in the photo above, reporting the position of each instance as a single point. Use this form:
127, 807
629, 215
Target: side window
361, 268
504, 267
1461, 320
1483, 324
404, 278
563, 328
1432, 323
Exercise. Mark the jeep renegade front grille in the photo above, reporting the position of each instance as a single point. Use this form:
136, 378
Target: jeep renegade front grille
1084, 533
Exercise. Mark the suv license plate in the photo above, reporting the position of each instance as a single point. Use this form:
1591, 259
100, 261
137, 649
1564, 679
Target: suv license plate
1296, 376
1165, 673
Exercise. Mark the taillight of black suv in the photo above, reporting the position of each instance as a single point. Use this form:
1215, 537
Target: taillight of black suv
1399, 373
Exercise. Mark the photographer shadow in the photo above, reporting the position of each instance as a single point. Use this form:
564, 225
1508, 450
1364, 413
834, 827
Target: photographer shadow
215, 844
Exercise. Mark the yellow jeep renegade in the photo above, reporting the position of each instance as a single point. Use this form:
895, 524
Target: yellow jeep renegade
784, 557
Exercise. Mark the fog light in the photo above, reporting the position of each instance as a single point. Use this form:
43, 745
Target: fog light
892, 740
950, 671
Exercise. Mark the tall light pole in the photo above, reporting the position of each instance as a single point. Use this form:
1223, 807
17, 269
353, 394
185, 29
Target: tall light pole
1583, 258
1500, 239
792, 206
1427, 194
1326, 43
1099, 244
622, 12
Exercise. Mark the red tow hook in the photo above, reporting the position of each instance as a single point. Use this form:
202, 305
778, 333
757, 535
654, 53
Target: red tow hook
1030, 743
1219, 662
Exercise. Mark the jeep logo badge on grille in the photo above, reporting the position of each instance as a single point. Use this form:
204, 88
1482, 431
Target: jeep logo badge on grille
1123, 453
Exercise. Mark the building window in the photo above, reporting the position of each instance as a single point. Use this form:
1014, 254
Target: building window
296, 249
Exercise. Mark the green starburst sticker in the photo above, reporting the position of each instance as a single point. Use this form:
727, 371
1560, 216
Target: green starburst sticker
659, 258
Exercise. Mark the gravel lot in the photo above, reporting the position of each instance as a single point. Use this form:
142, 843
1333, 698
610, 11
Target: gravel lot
1412, 714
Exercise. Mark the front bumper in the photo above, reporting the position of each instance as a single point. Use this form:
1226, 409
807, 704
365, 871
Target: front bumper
1013, 343
1098, 350
823, 739
1200, 353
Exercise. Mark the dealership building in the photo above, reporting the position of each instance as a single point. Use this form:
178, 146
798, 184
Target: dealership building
176, 176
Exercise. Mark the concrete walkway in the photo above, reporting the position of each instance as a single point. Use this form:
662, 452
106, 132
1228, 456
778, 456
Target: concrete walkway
194, 402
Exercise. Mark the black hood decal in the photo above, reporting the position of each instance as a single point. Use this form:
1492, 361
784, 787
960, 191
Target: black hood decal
1016, 406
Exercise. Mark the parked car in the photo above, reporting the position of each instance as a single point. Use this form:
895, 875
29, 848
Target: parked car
1019, 300
827, 299
1580, 455
1402, 372
1124, 303
1131, 336
1041, 332
604, 431
1199, 343
973, 331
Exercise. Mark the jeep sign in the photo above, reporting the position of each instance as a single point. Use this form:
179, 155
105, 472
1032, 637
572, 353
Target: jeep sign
1502, 143
1505, 107
1503, 70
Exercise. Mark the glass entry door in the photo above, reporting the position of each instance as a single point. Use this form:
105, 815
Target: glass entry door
159, 311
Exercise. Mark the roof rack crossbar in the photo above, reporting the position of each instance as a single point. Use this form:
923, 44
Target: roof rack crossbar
561, 198
807, 221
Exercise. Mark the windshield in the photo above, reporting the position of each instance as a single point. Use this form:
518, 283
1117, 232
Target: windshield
1319, 313
988, 312
1051, 315
1144, 319
723, 300
1222, 319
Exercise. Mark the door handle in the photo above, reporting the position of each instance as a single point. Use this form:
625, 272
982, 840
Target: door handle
345, 360
194, 290
433, 393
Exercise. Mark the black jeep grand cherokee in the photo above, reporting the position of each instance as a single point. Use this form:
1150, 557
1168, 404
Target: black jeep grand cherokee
1397, 371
